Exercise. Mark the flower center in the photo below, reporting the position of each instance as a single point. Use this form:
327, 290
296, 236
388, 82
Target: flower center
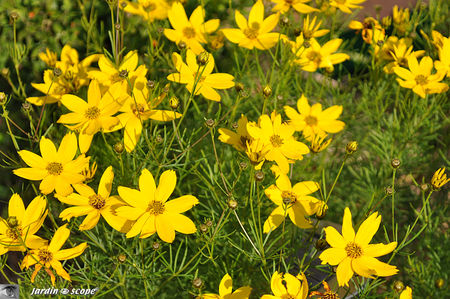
252, 31
54, 168
403, 61
92, 113
353, 250
148, 6
276, 140
96, 201
289, 2
421, 80
288, 197
314, 56
330, 295
244, 140
156, 207
138, 109
45, 256
189, 32
14, 232
311, 120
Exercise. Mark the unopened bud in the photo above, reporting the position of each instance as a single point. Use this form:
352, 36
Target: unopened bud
351, 147
259, 176
232, 204
197, 283
26, 107
306, 44
57, 71
3, 98
156, 245
321, 244
239, 87
12, 221
151, 84
267, 91
121, 258
208, 223
297, 31
14, 15
388, 190
424, 187
174, 103
439, 283
395, 163
322, 211
181, 45
203, 228
243, 165
210, 123
123, 4
202, 58
117, 26
5, 72
159, 139
123, 74
398, 286
284, 21
118, 147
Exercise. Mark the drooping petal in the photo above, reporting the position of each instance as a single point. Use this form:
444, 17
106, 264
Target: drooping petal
71, 253
90, 220
275, 219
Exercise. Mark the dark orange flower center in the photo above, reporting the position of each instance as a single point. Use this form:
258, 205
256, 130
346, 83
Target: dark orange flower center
189, 32
138, 109
330, 295
54, 168
45, 256
421, 80
156, 207
288, 197
252, 31
276, 140
92, 113
353, 250
311, 120
14, 232
97, 201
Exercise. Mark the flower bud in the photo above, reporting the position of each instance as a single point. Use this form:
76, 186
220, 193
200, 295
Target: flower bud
322, 211
388, 190
117, 26
239, 87
243, 165
118, 147
26, 107
267, 91
123, 4
151, 84
398, 286
174, 103
284, 21
14, 15
321, 244
181, 45
202, 58
210, 123
203, 228
121, 258
156, 245
395, 163
57, 71
208, 223
297, 31
159, 139
5, 72
12, 221
197, 283
3, 98
439, 283
123, 74
351, 147
259, 176
232, 204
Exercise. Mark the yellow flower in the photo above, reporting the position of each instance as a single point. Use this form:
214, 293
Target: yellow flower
400, 18
312, 120
328, 292
256, 33
193, 31
49, 57
93, 205
21, 225
51, 255
95, 115
293, 201
367, 28
318, 143
136, 110
443, 64
279, 139
406, 294
310, 29
346, 5
398, 50
200, 77
353, 253
56, 168
299, 5
226, 291
128, 69
256, 152
439, 179
316, 56
288, 286
237, 140
73, 75
148, 9
419, 77
151, 210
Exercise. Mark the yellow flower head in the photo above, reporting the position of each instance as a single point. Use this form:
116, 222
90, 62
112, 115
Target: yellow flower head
285, 285
367, 28
110, 73
256, 32
226, 291
318, 143
443, 64
150, 10
311, 29
279, 139
346, 5
21, 225
406, 294
312, 121
95, 204
192, 32
439, 179
400, 18
95, 115
151, 211
283, 6
239, 139
397, 50
353, 253
56, 169
49, 57
293, 201
51, 255
200, 77
256, 151
419, 77
316, 56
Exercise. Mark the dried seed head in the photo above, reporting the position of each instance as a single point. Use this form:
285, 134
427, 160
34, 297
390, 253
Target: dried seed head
57, 71
398, 286
203, 228
118, 147
243, 165
197, 283
351, 147
151, 84
395, 163
202, 58
267, 91
259, 176
122, 258
210, 123
14, 15
156, 245
208, 223
232, 204
174, 103
389, 190
321, 244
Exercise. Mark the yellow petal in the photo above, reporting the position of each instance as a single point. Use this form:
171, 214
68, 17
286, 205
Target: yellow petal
71, 253
241, 21
297, 215
181, 204
333, 256
334, 238
132, 133
375, 250
344, 272
59, 270
181, 223
275, 219
368, 229
48, 184
67, 149
133, 197
137, 226
59, 238
164, 228
74, 103
167, 183
16, 207
48, 149
94, 94
105, 185
256, 13
32, 159
347, 228
90, 220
